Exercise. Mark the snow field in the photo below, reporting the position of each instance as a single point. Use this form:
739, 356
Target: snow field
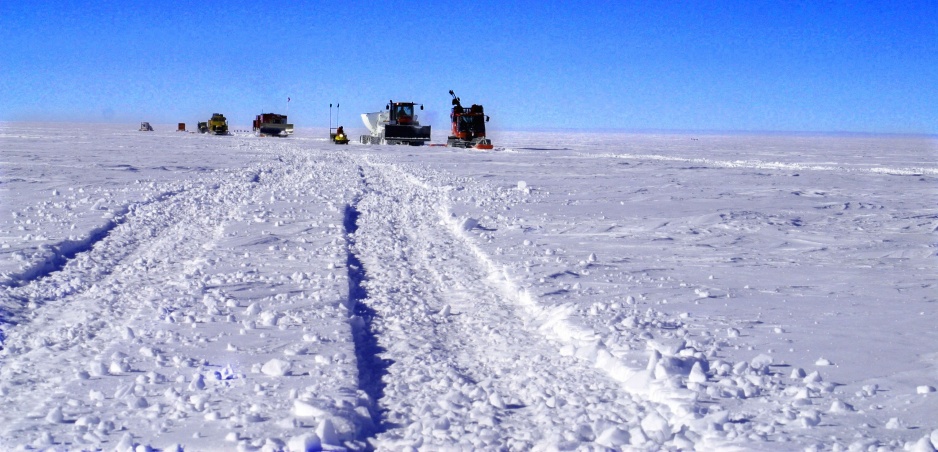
567, 291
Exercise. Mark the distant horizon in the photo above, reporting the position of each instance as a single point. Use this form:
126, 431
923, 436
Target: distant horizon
356, 126
867, 67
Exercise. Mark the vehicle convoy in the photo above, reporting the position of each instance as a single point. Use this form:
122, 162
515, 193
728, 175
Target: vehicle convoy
396, 125
218, 125
468, 126
272, 125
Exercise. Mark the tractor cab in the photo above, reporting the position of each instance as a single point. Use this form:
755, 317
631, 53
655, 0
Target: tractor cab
402, 112
398, 124
469, 124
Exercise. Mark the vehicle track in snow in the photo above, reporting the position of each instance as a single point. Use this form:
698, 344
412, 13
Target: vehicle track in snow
468, 367
112, 281
139, 311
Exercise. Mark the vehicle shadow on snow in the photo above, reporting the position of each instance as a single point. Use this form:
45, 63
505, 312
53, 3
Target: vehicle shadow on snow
372, 368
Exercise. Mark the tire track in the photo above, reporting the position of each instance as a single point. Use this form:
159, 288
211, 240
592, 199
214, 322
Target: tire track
100, 289
467, 367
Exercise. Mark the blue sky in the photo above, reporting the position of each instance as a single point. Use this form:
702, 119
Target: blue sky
701, 65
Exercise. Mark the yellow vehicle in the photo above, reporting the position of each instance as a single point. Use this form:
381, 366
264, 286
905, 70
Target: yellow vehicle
218, 125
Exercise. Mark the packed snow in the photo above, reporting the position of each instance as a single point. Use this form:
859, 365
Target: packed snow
565, 291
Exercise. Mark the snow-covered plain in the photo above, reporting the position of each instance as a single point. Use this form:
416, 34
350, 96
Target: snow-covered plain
172, 291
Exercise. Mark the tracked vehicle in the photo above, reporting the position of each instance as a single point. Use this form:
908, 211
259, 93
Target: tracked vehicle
217, 125
396, 125
468, 126
272, 125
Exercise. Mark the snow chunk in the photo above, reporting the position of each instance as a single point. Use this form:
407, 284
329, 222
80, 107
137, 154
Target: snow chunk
126, 443
327, 434
798, 373
894, 424
924, 389
924, 444
656, 427
276, 368
839, 406
55, 416
118, 368
304, 443
468, 224
813, 377
252, 310
823, 362
810, 418
305, 409
97, 369
613, 437
762, 361
198, 382
138, 403
697, 374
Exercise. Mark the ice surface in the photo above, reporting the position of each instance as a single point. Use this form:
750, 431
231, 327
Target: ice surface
563, 291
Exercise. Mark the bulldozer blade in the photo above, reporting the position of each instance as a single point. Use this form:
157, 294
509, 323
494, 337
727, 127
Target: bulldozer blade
407, 133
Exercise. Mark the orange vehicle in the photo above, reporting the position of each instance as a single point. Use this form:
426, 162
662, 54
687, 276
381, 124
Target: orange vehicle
468, 126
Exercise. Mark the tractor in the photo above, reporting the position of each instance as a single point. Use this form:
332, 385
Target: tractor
468, 126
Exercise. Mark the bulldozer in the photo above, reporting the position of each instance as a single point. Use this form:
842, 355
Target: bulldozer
272, 125
468, 126
396, 125
217, 125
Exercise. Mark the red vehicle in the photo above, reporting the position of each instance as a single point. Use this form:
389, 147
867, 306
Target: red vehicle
468, 126
272, 124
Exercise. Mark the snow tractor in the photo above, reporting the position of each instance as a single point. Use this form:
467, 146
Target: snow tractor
218, 125
396, 125
272, 125
336, 134
468, 126
146, 127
